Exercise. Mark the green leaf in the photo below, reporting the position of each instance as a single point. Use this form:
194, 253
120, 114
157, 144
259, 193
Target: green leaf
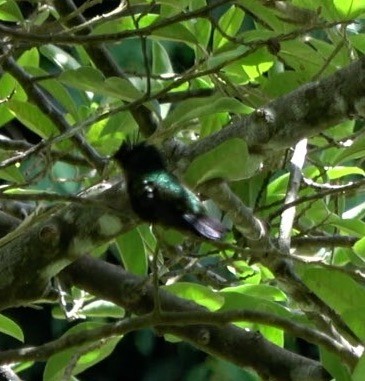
333, 173
197, 293
9, 327
21, 366
282, 83
9, 11
160, 59
32, 118
359, 371
349, 225
230, 23
102, 308
178, 4
355, 150
29, 58
349, 9
60, 57
359, 247
59, 92
9, 86
107, 134
132, 252
174, 32
339, 291
302, 57
358, 42
326, 8
266, 15
229, 160
202, 30
263, 291
89, 79
56, 364
194, 108
220, 59
236, 301
334, 365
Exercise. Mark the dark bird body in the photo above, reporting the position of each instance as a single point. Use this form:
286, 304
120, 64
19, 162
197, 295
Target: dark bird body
157, 196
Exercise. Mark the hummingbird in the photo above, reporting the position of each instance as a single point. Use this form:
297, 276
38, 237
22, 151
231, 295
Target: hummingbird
158, 197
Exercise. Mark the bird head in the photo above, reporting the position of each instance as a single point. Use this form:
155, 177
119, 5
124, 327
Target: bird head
139, 157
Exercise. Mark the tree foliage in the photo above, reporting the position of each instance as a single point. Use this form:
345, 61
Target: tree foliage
257, 106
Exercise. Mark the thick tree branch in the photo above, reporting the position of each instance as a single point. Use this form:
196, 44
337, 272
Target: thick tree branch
241, 347
314, 107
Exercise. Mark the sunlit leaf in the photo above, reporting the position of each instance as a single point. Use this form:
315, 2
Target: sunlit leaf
9, 327
198, 293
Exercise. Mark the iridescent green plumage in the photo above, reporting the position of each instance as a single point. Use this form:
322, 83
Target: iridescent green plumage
157, 196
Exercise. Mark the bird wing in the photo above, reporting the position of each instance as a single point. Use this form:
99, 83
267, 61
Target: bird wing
206, 226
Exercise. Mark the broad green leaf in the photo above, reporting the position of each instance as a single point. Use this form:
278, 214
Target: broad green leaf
241, 270
175, 32
89, 79
335, 366
301, 57
20, 366
30, 58
178, 4
230, 23
266, 15
148, 238
132, 252
350, 226
9, 11
33, 118
359, 252
102, 308
237, 301
213, 123
60, 57
354, 150
9, 327
10, 87
326, 8
333, 173
248, 67
107, 134
219, 60
358, 42
257, 63
339, 291
12, 174
194, 108
282, 83
278, 185
202, 31
326, 49
229, 160
56, 364
57, 90
359, 371
349, 8
198, 293
263, 291
160, 59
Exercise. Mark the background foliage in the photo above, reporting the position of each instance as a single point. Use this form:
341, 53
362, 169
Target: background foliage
72, 86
